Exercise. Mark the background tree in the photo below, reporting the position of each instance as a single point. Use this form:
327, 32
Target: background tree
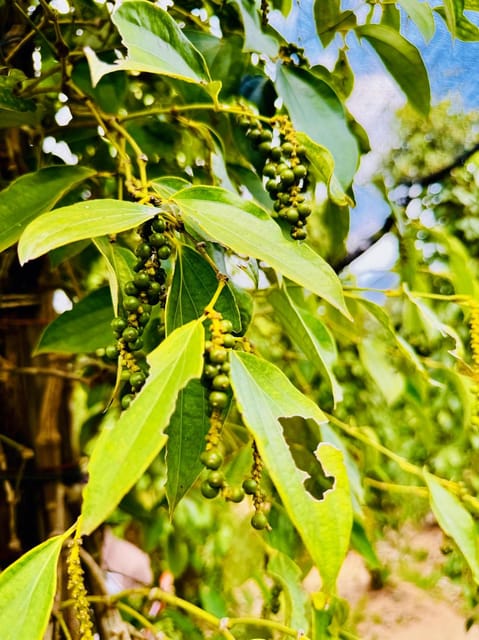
212, 356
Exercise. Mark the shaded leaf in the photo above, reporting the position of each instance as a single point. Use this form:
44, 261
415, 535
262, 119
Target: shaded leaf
403, 61
155, 44
330, 19
27, 588
264, 395
465, 30
79, 221
187, 430
289, 575
125, 451
316, 110
84, 329
193, 285
31, 195
309, 335
377, 362
455, 521
246, 228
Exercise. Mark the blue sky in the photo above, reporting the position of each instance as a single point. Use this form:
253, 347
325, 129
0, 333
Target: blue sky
453, 68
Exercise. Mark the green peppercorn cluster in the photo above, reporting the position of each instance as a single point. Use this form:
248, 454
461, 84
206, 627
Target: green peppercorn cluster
145, 290
216, 380
285, 172
252, 486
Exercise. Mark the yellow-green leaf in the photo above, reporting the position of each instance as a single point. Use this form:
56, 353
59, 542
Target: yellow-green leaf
265, 396
125, 451
27, 588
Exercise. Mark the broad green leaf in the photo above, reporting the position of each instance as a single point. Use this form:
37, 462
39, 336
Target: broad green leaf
255, 39
282, 568
264, 396
422, 16
31, 195
466, 30
391, 16
155, 44
125, 451
433, 323
169, 185
463, 271
377, 362
316, 110
330, 19
452, 11
187, 430
79, 221
322, 164
455, 521
120, 263
247, 229
404, 348
27, 588
84, 329
403, 61
193, 285
309, 335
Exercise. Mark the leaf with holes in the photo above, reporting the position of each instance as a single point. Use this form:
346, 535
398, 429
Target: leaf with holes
264, 396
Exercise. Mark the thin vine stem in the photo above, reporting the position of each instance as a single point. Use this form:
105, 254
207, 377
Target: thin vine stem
405, 465
267, 624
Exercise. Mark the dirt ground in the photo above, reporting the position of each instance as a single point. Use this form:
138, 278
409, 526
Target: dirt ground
401, 610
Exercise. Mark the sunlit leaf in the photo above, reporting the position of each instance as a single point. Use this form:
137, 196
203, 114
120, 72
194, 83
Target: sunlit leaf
403, 61
79, 221
155, 44
246, 228
27, 588
125, 451
255, 38
455, 521
264, 396
31, 195
422, 16
309, 101
465, 30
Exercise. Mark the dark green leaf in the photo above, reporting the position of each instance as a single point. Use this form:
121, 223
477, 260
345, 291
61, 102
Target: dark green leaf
188, 427
330, 19
79, 221
246, 228
264, 396
125, 451
289, 575
402, 60
27, 588
84, 329
466, 30
316, 110
32, 194
193, 285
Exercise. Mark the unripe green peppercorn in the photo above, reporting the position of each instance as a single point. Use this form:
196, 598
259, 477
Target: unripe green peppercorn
130, 334
259, 520
137, 379
250, 486
218, 399
126, 401
131, 303
218, 355
208, 491
212, 459
216, 479
220, 382
235, 494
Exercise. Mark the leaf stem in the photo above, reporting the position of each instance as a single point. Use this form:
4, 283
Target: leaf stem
267, 624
